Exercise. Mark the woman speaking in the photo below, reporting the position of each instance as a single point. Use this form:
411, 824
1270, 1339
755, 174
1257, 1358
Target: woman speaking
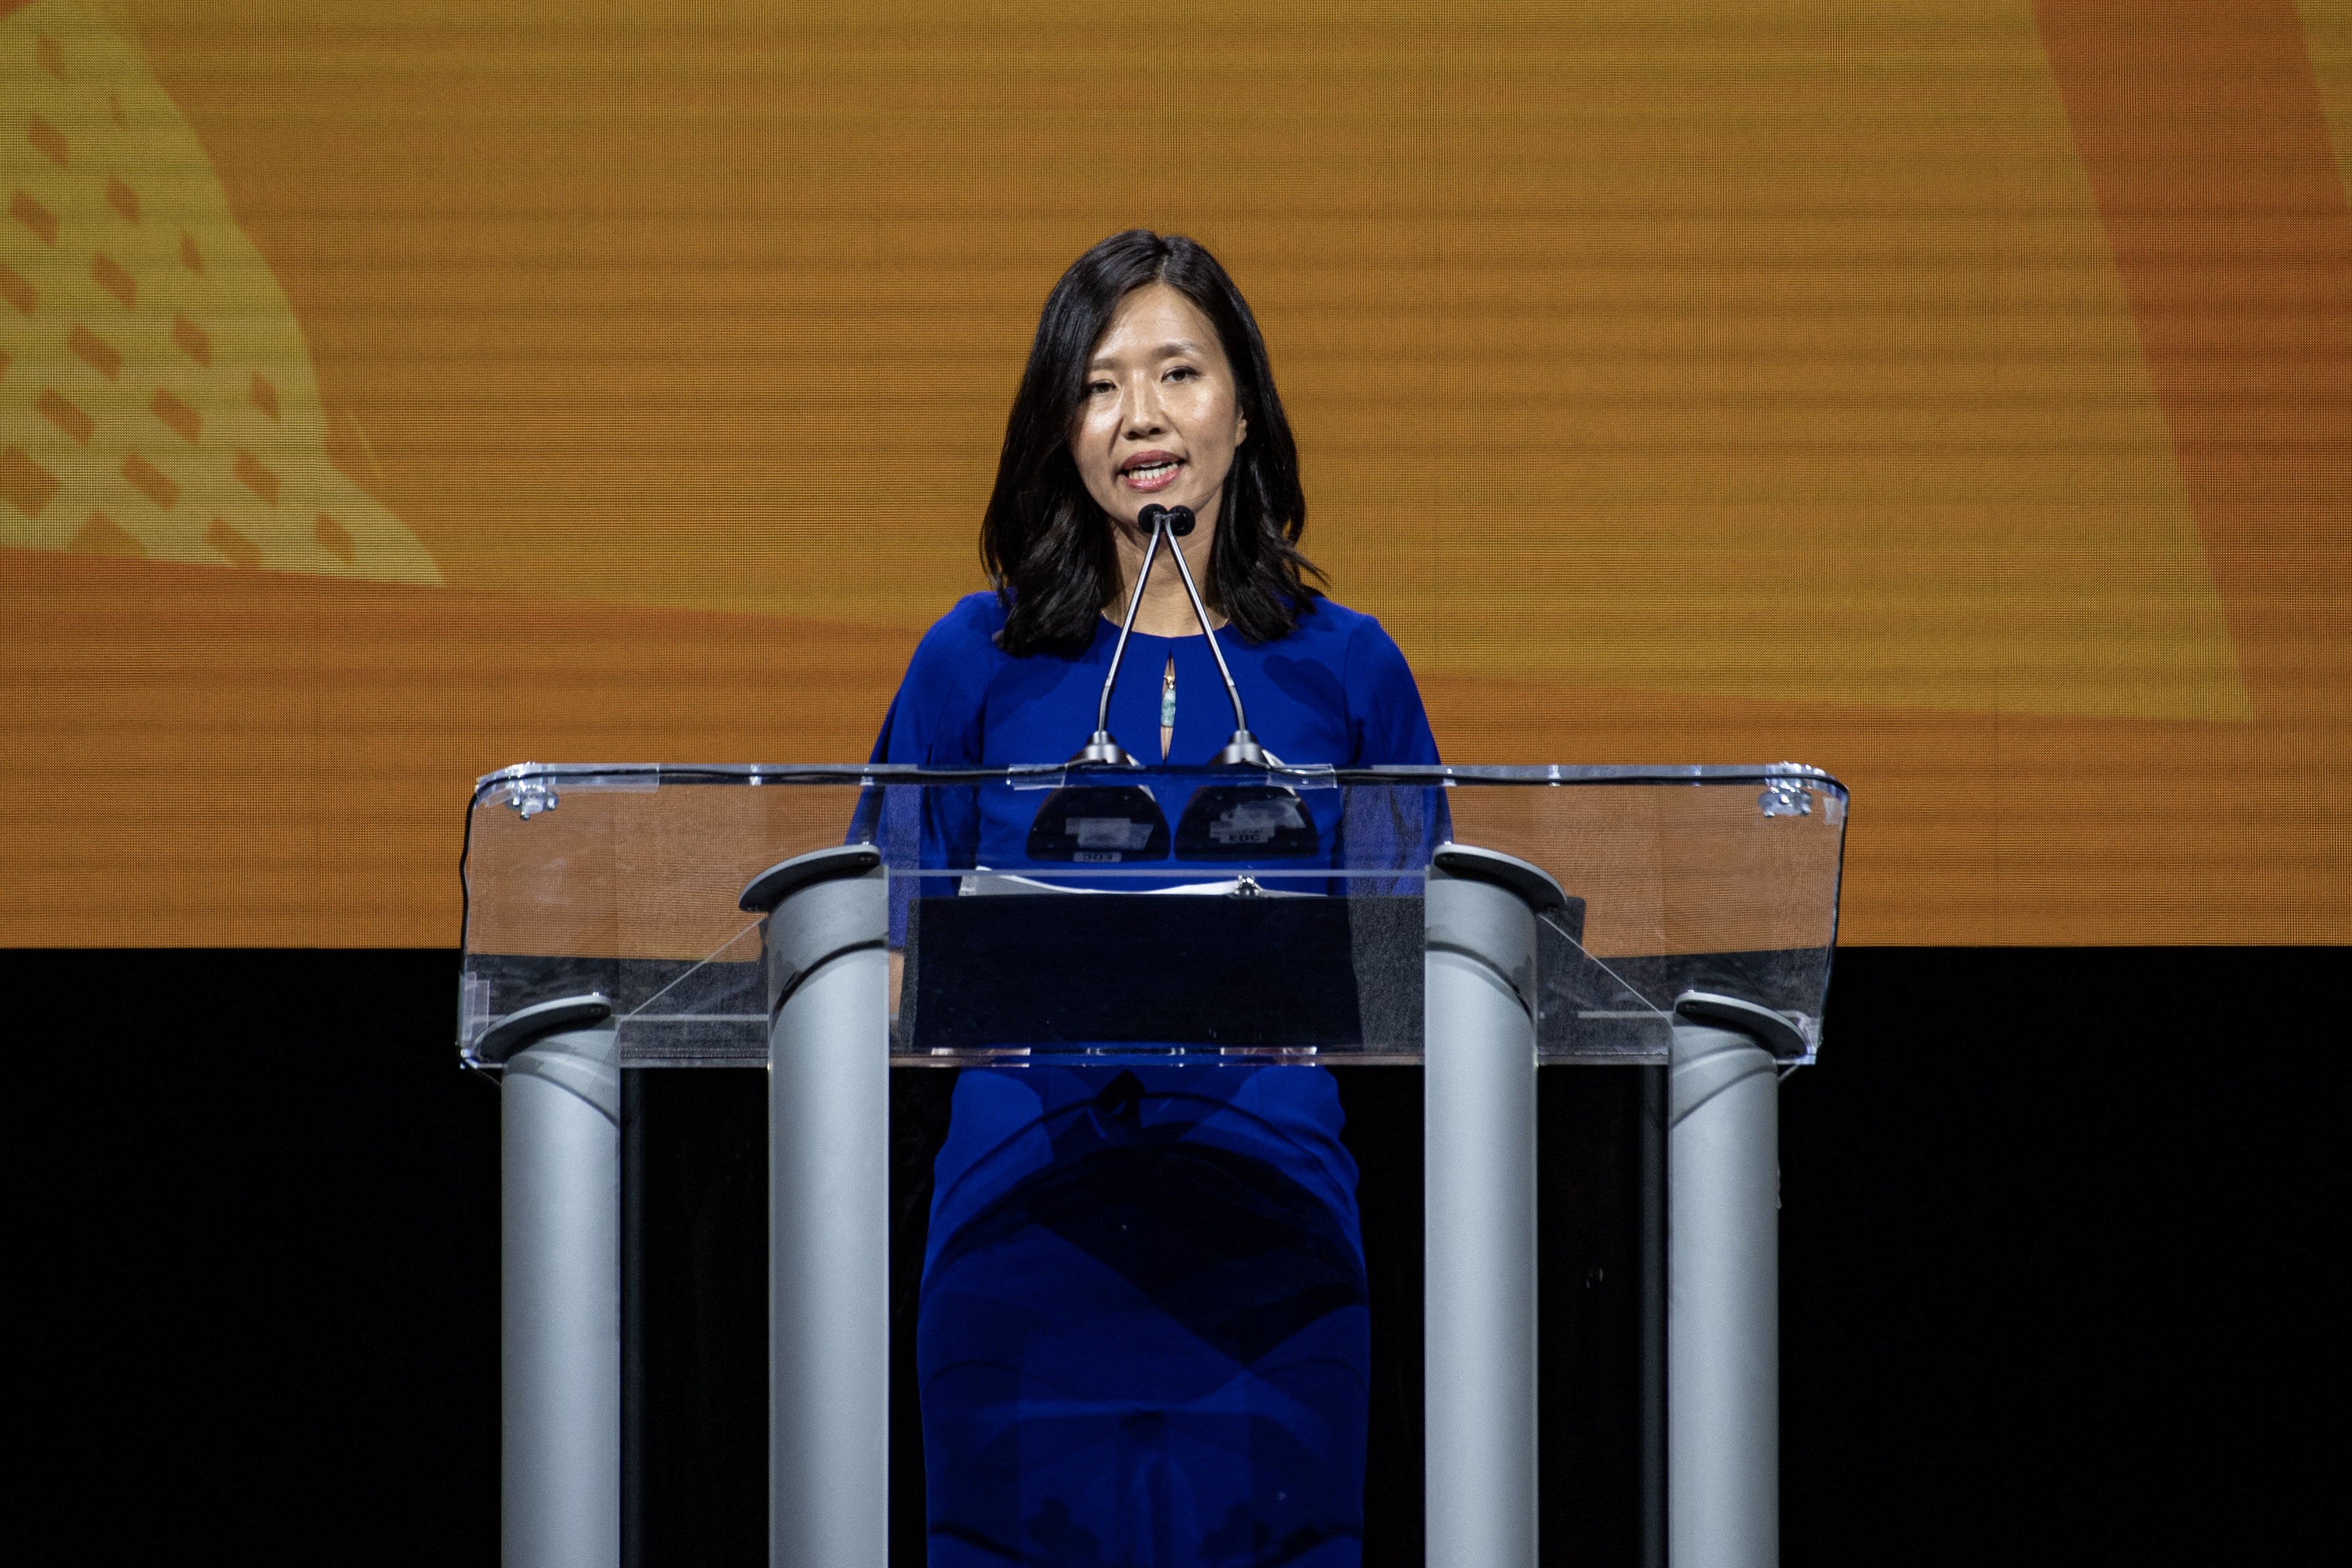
1142, 1334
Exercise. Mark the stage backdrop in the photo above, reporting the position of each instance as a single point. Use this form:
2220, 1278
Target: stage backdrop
1955, 395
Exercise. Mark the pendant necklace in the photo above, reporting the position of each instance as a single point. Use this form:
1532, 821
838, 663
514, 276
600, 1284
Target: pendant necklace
1168, 707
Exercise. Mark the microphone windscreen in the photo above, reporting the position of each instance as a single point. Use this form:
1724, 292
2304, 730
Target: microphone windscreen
1149, 518
1179, 521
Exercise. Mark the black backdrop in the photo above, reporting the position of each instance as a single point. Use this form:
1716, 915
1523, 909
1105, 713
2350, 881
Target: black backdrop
2051, 1223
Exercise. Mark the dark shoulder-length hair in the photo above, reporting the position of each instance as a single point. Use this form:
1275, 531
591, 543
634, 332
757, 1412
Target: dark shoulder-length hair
1048, 547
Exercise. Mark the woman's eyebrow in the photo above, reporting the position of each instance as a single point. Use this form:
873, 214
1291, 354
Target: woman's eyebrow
1172, 348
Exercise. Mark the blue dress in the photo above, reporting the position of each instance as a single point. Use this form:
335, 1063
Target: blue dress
1142, 1336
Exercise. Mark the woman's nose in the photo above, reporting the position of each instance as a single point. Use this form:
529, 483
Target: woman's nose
1143, 412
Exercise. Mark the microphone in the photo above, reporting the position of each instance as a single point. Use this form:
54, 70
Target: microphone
1242, 750
1100, 746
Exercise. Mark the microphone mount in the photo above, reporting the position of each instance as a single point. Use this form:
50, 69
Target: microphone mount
1241, 750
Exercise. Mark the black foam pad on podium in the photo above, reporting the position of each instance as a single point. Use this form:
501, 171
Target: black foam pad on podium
1078, 969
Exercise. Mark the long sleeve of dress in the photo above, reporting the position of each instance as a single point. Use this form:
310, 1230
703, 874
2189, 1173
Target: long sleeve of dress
1387, 830
935, 720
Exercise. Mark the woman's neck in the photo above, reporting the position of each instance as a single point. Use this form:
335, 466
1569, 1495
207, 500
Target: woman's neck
1166, 610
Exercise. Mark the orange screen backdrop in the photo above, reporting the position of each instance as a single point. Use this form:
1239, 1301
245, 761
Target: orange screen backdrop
1958, 397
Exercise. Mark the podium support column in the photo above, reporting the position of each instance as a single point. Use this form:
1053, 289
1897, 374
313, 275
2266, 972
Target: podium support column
1479, 1206
828, 1207
559, 1328
1723, 1284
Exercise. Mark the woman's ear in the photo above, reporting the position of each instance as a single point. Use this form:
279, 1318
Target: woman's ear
1241, 427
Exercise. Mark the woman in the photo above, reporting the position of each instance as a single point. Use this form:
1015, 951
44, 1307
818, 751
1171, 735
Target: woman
1142, 1335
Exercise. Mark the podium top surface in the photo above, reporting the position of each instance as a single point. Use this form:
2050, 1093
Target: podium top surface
1235, 914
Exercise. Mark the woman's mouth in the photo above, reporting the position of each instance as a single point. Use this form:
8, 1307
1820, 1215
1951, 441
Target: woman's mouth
1151, 471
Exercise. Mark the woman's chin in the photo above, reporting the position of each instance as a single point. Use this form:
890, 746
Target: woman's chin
1130, 500
1170, 498
1130, 509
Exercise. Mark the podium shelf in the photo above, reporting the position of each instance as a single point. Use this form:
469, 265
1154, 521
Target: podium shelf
1236, 915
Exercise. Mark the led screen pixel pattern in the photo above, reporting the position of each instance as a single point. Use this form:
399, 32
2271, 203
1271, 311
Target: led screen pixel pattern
1951, 396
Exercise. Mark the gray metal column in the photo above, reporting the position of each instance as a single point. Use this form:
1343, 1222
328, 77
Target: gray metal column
560, 1331
828, 1207
1479, 1207
1723, 1284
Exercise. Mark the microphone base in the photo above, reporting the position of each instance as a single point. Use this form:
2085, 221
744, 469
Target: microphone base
1244, 751
1101, 748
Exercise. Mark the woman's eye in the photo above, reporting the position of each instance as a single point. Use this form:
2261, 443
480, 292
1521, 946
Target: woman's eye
1096, 388
1182, 372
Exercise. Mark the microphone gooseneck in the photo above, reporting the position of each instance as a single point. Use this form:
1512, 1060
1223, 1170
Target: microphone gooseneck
1100, 746
1241, 750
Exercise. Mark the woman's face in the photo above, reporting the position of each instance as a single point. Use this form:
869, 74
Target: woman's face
1159, 420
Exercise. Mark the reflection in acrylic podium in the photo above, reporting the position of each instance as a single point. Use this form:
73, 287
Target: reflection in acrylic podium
1478, 921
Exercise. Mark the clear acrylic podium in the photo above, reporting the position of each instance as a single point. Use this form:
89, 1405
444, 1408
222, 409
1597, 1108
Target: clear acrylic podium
833, 923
